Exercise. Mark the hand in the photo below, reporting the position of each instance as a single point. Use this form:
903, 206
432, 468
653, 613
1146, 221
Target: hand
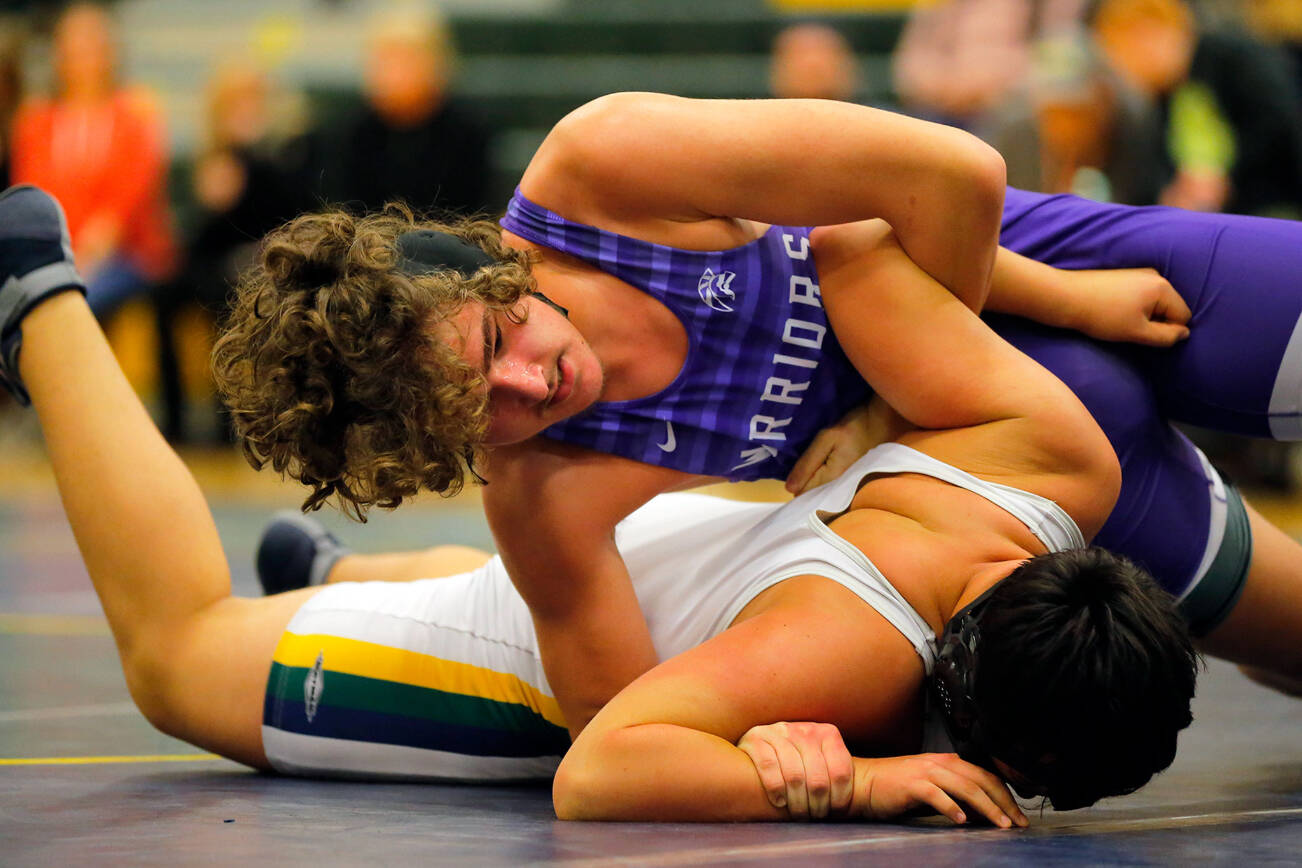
892, 786
835, 448
804, 767
1197, 190
1135, 305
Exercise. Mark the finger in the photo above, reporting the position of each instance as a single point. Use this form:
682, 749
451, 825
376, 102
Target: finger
1162, 334
818, 779
810, 461
925, 792
822, 476
837, 462
840, 769
973, 793
998, 791
1171, 306
765, 758
793, 773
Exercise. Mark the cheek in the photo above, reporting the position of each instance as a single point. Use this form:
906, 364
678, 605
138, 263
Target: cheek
509, 425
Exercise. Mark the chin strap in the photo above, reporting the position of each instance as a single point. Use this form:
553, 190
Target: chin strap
553, 305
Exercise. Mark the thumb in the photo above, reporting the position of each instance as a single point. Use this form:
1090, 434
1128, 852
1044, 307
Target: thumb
1162, 334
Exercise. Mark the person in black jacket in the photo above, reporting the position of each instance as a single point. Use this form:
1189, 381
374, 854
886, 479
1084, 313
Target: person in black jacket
1156, 46
411, 139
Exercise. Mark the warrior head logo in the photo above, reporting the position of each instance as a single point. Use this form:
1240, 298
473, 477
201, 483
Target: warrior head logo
716, 291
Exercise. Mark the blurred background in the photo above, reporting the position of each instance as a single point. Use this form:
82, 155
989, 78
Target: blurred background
176, 132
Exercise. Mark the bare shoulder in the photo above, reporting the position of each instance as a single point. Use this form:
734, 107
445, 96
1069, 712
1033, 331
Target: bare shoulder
574, 167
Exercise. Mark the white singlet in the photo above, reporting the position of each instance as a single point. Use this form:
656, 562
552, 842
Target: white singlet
395, 652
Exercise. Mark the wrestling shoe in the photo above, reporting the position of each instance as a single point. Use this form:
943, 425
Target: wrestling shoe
296, 552
35, 263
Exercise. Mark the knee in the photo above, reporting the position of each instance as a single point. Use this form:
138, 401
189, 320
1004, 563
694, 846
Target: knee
151, 676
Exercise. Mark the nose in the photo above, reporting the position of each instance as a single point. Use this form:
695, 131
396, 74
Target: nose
513, 379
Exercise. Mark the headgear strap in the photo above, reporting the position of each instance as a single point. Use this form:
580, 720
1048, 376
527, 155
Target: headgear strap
422, 251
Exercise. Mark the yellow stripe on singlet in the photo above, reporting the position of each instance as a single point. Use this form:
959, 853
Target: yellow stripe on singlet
386, 663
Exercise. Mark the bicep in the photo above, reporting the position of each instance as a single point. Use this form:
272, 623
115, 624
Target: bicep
988, 407
795, 162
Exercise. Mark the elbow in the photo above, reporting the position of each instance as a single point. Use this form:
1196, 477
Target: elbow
576, 790
977, 175
987, 175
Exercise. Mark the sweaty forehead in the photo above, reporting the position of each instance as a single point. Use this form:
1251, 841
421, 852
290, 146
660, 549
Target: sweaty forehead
465, 333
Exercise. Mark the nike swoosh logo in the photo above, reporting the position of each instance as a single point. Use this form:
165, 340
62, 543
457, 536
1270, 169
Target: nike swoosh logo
671, 443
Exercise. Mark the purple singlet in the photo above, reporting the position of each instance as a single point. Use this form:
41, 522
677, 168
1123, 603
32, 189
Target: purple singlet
763, 373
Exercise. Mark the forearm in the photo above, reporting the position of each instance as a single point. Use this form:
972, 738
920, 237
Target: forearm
589, 656
659, 772
1032, 290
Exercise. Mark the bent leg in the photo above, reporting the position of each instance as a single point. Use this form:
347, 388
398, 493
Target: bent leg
1261, 632
439, 679
432, 563
196, 659
1171, 504
1241, 368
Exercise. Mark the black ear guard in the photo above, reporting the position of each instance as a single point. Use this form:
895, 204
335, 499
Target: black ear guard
423, 251
953, 681
953, 688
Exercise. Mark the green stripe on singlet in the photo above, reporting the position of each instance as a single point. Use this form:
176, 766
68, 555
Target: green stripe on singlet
357, 692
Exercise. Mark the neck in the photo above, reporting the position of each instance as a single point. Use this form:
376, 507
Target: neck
640, 344
616, 340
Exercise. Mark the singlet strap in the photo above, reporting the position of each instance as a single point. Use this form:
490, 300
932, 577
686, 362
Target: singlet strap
1047, 520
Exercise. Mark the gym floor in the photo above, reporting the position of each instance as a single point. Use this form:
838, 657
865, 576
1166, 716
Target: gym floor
83, 778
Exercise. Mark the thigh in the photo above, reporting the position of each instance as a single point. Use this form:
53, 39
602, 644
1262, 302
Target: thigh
432, 680
1241, 368
203, 678
1262, 630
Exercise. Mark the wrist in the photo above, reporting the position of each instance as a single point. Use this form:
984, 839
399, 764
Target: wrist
1067, 310
860, 797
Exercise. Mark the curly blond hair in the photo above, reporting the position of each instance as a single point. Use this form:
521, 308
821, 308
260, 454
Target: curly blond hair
329, 363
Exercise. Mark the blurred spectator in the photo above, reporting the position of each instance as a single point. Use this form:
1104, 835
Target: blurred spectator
959, 61
1197, 79
11, 93
411, 140
967, 63
100, 148
240, 190
239, 186
813, 61
1279, 22
1098, 136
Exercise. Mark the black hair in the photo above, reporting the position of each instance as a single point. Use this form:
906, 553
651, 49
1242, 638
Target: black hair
1086, 675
